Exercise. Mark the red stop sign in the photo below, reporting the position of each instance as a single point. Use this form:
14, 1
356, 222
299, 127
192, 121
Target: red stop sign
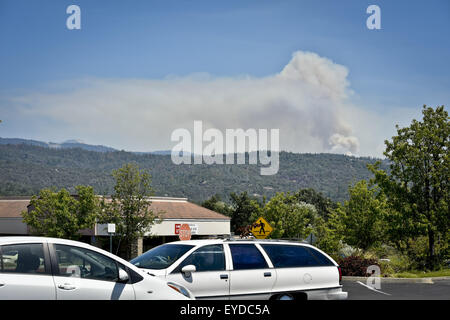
185, 232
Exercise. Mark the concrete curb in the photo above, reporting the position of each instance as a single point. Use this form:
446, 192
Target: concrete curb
397, 280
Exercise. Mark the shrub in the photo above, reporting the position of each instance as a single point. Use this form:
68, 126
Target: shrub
398, 263
355, 265
390, 260
347, 251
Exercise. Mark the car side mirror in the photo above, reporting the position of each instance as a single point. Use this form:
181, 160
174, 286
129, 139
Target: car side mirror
123, 275
187, 270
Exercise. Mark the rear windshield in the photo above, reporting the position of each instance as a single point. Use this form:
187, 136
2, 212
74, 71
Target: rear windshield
161, 257
291, 256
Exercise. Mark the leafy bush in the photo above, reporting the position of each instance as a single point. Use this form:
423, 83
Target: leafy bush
390, 260
397, 263
347, 251
355, 265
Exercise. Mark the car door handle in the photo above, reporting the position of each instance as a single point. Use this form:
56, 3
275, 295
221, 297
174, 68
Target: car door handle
223, 276
267, 274
2, 285
67, 286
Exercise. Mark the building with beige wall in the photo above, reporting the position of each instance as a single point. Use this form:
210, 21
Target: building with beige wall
174, 212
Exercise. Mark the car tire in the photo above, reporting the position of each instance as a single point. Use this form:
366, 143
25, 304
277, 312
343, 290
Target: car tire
297, 296
283, 296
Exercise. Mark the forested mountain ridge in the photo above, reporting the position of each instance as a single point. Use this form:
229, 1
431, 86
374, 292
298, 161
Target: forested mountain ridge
25, 169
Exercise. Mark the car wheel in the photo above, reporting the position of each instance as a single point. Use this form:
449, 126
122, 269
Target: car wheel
284, 296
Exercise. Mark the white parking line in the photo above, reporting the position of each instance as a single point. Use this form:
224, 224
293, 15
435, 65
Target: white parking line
373, 289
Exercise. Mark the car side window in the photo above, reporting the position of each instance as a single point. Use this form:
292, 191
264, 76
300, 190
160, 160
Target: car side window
23, 258
84, 263
291, 256
247, 256
323, 260
206, 258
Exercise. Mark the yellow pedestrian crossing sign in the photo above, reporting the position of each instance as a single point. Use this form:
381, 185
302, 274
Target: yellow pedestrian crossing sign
261, 228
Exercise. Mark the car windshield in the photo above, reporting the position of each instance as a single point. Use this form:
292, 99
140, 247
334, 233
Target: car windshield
161, 257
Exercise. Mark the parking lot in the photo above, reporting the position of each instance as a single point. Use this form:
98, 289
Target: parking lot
399, 290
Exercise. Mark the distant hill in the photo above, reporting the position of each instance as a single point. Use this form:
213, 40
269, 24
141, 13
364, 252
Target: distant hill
26, 168
16, 141
158, 152
69, 144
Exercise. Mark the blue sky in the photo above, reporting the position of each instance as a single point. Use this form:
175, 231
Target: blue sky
400, 67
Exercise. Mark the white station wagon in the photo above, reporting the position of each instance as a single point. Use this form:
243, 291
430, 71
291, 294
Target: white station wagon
246, 269
40, 268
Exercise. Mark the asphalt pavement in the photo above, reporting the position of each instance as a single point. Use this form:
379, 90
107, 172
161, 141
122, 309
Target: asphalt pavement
391, 290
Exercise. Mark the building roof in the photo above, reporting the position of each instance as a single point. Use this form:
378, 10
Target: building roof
13, 208
169, 208
183, 210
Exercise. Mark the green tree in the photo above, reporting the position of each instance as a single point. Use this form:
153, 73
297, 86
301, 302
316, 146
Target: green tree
329, 234
323, 204
129, 207
244, 209
417, 185
363, 216
61, 215
216, 204
289, 217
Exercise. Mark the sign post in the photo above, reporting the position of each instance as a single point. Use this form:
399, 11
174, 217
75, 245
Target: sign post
261, 228
111, 231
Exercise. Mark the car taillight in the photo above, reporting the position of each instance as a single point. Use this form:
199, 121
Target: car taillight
340, 274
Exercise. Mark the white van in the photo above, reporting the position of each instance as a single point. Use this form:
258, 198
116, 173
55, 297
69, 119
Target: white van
246, 269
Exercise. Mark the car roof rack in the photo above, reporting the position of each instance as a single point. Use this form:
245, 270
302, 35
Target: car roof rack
293, 240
